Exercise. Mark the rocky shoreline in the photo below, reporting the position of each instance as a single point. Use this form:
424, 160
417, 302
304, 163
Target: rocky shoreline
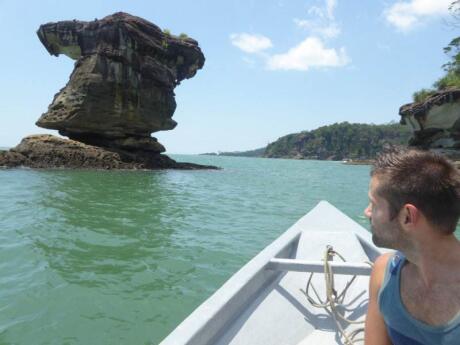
51, 152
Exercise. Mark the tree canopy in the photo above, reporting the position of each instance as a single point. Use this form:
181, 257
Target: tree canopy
452, 67
339, 141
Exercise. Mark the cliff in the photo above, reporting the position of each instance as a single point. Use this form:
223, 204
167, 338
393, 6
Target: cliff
435, 122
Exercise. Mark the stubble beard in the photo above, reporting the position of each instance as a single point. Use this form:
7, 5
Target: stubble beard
391, 239
380, 242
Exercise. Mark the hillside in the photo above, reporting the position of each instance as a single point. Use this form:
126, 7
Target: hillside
250, 153
335, 142
338, 141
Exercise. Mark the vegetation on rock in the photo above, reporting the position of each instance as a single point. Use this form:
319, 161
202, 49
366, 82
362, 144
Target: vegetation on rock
451, 79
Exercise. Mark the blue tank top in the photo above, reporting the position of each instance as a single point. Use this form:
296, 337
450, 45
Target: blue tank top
402, 328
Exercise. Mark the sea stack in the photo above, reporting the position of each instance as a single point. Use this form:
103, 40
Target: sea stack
435, 122
119, 93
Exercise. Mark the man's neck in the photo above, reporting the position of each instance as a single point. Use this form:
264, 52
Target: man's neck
435, 259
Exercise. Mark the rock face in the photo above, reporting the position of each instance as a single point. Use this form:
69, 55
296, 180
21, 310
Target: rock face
122, 87
48, 151
121, 91
435, 122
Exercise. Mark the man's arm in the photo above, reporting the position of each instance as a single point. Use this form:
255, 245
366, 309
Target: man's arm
375, 329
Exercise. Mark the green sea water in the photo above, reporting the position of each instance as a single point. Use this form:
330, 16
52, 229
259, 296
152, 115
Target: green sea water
122, 257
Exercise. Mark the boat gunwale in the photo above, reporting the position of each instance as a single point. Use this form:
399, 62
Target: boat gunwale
189, 330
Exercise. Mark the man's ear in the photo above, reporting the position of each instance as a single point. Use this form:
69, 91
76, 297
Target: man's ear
410, 215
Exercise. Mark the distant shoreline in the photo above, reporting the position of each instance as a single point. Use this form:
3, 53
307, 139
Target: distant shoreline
344, 161
347, 162
358, 162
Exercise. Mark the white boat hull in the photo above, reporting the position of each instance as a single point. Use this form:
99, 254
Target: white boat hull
263, 302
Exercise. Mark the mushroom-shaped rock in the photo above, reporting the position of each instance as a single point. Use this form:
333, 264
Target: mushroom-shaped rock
122, 87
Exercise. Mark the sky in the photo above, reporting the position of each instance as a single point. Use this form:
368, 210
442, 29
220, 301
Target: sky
273, 67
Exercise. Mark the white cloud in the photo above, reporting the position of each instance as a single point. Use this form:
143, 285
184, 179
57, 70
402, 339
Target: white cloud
330, 7
316, 11
308, 54
321, 20
312, 52
250, 43
331, 30
404, 15
324, 12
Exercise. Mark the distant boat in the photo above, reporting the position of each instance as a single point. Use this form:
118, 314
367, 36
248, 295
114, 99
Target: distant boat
265, 302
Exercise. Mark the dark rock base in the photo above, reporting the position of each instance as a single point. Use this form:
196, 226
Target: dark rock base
50, 152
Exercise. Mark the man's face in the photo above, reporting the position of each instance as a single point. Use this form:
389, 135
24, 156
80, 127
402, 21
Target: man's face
385, 232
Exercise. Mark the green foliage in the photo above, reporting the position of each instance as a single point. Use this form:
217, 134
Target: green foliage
423, 94
452, 68
164, 42
183, 36
454, 9
451, 79
339, 141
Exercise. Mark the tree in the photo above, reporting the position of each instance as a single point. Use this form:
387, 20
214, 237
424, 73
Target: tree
454, 9
452, 67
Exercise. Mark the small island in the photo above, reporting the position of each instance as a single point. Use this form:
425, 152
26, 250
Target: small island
119, 93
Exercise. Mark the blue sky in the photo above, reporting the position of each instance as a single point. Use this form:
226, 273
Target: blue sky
272, 67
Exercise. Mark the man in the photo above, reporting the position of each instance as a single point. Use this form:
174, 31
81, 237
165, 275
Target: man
414, 294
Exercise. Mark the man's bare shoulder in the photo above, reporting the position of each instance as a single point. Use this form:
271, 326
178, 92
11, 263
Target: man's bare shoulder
382, 260
378, 270
375, 331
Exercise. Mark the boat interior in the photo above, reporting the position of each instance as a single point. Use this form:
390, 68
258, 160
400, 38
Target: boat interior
266, 302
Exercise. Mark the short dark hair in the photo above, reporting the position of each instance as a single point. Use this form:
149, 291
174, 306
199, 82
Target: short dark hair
425, 179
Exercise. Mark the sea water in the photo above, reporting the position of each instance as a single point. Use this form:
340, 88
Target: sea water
122, 257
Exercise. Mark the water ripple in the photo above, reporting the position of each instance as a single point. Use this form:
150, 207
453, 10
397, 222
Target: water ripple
122, 257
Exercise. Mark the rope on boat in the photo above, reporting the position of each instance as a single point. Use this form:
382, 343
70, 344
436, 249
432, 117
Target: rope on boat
333, 298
